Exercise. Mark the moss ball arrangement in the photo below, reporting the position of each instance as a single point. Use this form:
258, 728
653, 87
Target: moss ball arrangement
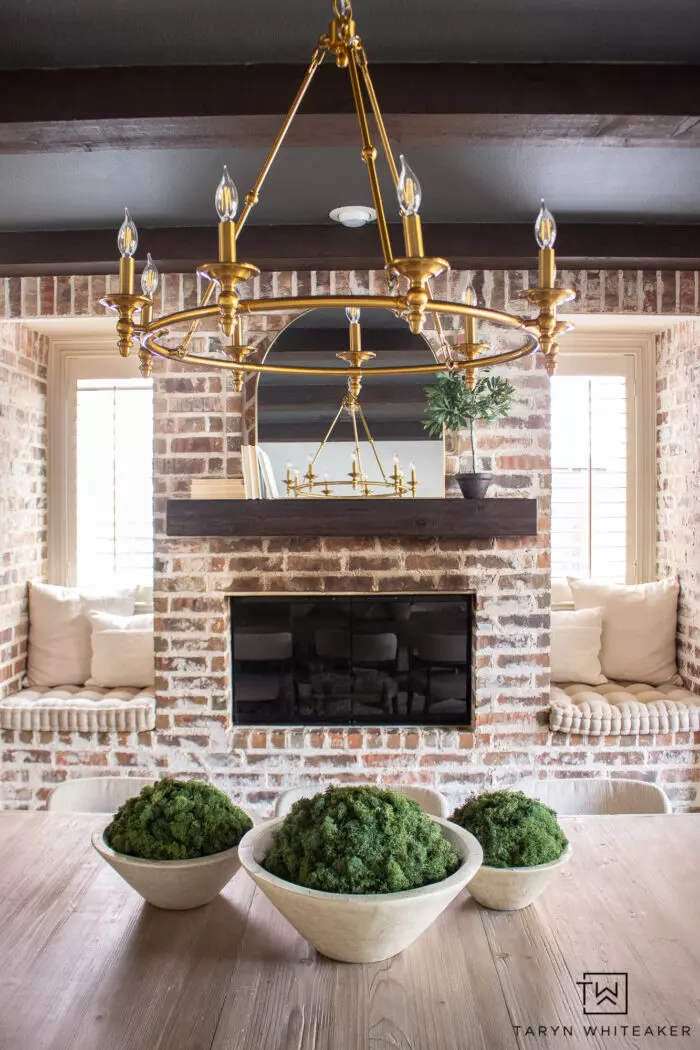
177, 820
360, 840
513, 830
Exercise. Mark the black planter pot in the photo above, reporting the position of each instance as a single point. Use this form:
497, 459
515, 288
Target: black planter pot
474, 486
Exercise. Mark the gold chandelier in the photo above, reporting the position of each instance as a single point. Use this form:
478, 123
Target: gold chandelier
409, 293
359, 482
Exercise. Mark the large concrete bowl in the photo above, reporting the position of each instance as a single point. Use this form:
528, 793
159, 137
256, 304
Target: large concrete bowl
509, 889
172, 884
359, 928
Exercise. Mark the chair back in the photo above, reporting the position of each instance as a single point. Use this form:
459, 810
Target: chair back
361, 648
260, 645
442, 648
429, 800
95, 794
591, 795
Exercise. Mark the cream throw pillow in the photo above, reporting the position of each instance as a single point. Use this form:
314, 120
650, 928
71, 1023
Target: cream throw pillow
59, 631
576, 646
639, 627
122, 651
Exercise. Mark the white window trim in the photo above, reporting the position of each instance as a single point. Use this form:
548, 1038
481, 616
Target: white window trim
70, 360
641, 347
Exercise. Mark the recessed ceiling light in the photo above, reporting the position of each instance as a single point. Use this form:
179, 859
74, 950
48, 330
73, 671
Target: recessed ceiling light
353, 215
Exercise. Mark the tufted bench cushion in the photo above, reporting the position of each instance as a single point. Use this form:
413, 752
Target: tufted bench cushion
77, 707
625, 707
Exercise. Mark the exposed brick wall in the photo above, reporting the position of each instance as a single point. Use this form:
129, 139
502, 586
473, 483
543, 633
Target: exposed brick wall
199, 429
678, 482
23, 368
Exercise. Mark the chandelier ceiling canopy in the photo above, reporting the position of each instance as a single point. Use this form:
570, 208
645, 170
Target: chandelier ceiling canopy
409, 294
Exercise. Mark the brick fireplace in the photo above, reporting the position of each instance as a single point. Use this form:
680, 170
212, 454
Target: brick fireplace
200, 423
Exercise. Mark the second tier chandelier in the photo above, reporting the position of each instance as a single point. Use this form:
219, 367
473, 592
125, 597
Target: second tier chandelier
358, 482
409, 275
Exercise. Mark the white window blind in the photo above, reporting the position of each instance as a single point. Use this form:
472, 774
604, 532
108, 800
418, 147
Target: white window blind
114, 482
592, 475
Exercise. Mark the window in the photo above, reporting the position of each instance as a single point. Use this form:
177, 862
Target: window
602, 474
114, 482
100, 469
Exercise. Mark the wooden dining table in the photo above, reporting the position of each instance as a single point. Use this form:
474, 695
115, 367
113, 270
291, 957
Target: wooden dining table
85, 963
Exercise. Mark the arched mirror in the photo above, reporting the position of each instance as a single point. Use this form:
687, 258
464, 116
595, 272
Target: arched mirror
323, 436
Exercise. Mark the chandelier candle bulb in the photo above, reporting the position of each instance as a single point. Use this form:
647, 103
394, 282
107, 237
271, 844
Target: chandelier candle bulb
127, 242
150, 277
409, 194
226, 201
546, 235
470, 322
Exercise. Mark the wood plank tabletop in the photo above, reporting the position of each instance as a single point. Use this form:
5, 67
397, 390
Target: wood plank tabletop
86, 964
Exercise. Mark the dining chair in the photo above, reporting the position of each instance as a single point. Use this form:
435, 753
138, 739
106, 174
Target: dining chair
95, 794
590, 795
264, 671
429, 800
439, 670
362, 663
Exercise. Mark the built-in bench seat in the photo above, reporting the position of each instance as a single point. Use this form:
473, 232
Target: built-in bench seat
623, 707
80, 708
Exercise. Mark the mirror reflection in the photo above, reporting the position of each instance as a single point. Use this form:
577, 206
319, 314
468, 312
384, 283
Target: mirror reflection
328, 436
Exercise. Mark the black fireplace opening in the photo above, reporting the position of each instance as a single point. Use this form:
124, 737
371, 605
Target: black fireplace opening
352, 660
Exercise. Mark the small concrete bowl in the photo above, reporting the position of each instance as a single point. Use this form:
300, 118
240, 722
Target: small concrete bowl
509, 889
175, 885
359, 928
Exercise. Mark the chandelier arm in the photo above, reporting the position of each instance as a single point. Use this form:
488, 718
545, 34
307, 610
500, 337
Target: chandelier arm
149, 342
369, 155
328, 434
253, 195
357, 447
388, 152
374, 103
209, 291
397, 304
371, 441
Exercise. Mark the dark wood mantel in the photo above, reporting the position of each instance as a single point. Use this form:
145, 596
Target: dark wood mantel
453, 518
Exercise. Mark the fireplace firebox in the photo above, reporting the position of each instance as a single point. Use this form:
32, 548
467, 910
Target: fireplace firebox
352, 659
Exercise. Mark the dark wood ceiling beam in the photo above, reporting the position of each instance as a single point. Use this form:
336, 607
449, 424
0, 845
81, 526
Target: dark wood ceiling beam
396, 430
214, 106
467, 246
395, 393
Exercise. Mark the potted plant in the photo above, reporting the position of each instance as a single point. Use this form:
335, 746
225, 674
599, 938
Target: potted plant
176, 843
360, 871
524, 847
453, 406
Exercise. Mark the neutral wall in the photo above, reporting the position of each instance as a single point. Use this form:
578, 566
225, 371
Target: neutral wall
678, 482
199, 433
23, 369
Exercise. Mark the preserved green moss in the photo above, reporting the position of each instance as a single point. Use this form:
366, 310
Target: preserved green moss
177, 820
360, 840
513, 830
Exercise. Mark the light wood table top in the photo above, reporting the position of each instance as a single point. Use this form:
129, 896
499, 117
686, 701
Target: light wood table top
85, 963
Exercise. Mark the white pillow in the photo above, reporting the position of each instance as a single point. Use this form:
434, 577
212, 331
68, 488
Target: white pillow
639, 627
59, 631
576, 646
122, 651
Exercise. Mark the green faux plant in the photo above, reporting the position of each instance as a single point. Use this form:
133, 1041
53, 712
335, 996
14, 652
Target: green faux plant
513, 830
360, 840
453, 406
177, 820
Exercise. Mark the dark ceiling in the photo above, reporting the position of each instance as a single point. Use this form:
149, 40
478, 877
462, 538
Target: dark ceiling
65, 169
460, 184
47, 33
